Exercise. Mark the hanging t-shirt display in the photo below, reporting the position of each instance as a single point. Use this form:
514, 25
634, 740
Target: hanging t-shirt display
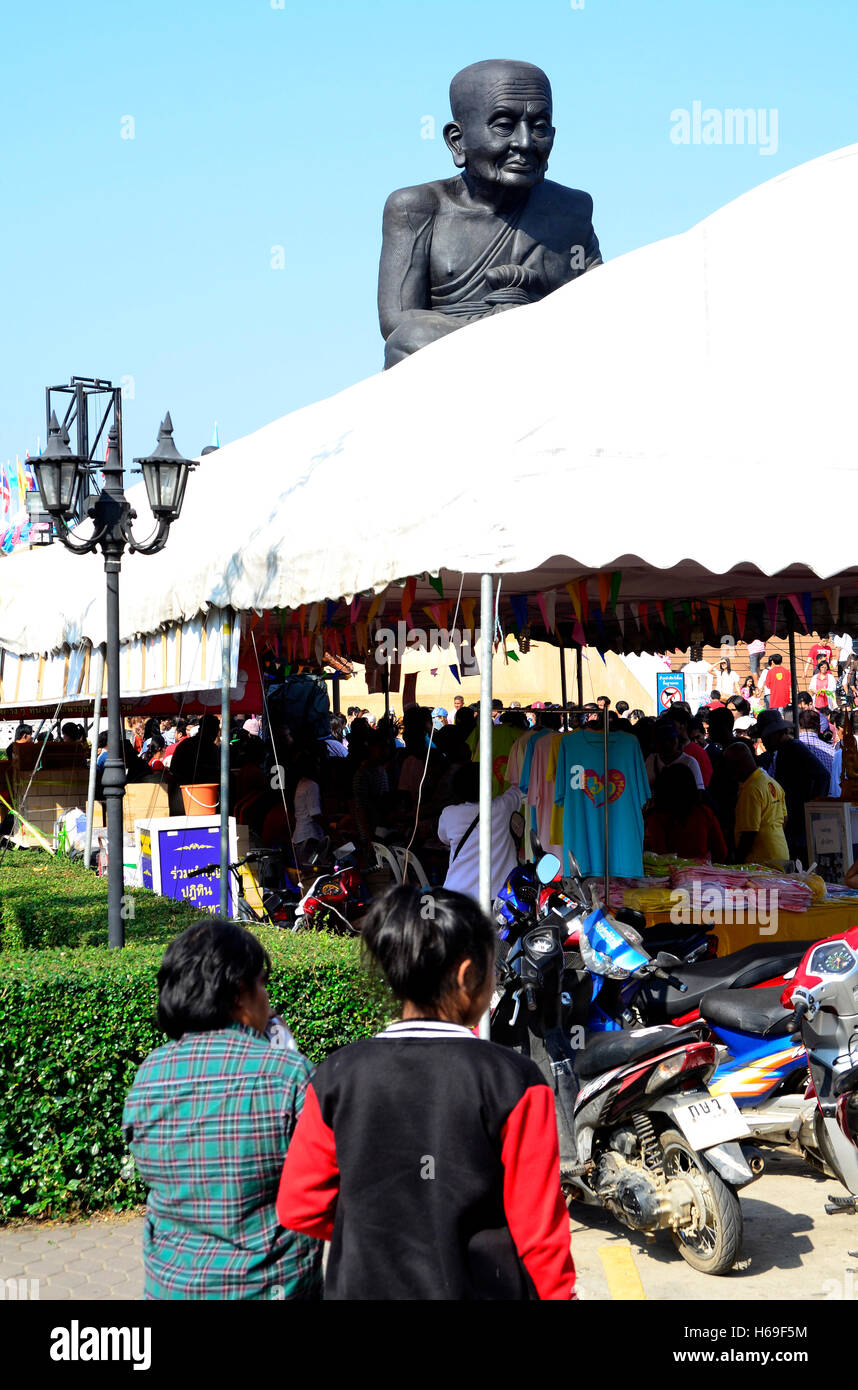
580, 789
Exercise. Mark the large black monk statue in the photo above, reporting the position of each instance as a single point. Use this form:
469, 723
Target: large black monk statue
499, 234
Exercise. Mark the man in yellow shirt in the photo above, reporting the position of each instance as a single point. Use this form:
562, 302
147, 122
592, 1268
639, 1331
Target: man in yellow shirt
758, 829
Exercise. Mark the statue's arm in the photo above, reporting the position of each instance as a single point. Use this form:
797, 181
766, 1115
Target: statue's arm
403, 275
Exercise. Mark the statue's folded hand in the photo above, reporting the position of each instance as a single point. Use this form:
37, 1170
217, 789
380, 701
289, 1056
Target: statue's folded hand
511, 285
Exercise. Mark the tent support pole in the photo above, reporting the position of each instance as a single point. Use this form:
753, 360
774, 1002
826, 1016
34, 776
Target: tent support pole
793, 681
487, 624
226, 651
93, 757
605, 722
563, 700
580, 674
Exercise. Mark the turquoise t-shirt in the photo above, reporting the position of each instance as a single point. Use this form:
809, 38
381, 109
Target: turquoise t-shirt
579, 789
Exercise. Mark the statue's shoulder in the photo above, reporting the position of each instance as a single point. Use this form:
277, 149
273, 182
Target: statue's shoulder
420, 200
572, 201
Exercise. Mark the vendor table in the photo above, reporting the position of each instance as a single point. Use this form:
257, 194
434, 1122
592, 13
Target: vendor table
822, 919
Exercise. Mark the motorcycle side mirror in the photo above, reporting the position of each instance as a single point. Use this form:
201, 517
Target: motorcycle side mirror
664, 960
516, 826
548, 868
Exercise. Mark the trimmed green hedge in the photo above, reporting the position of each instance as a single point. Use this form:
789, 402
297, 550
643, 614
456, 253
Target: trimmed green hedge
51, 901
76, 1023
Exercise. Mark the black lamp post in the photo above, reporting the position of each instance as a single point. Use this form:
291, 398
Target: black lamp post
60, 473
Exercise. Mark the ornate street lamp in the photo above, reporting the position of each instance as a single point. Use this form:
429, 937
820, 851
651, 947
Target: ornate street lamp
59, 473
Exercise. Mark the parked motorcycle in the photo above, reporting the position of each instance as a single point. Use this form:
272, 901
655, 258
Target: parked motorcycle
824, 998
640, 1134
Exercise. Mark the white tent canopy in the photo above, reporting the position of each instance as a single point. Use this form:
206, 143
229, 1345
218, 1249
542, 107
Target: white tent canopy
682, 411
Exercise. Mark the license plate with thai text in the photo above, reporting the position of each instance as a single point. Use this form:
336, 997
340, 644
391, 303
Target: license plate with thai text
711, 1120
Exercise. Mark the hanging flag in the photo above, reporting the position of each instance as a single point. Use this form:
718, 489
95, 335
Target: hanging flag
215, 436
551, 611
604, 583
643, 615
5, 494
376, 604
408, 596
518, 603
22, 482
597, 618
728, 607
807, 605
585, 602
579, 635
540, 603
796, 603
468, 606
741, 614
668, 615
454, 672
574, 591
331, 609
771, 609
832, 598
355, 608
616, 581
437, 584
714, 607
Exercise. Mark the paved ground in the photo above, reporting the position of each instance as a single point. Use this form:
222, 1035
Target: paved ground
792, 1251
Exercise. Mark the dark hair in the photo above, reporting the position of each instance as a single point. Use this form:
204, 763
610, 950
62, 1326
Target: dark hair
720, 726
809, 719
676, 793
739, 705
466, 720
714, 694
776, 659
549, 719
22, 731
202, 974
420, 938
622, 706
466, 784
636, 714
514, 719
805, 697
725, 661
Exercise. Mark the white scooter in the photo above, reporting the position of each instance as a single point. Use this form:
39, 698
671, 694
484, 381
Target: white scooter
824, 997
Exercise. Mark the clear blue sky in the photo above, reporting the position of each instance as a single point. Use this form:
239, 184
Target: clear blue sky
258, 127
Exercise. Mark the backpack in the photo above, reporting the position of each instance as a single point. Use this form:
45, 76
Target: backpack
300, 703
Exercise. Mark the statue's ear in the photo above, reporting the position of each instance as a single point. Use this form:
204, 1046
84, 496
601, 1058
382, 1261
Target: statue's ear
453, 139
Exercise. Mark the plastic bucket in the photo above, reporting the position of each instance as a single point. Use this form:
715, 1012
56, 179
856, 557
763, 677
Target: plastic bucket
201, 798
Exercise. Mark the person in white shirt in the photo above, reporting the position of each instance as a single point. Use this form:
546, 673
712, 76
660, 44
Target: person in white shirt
667, 752
725, 679
459, 827
843, 649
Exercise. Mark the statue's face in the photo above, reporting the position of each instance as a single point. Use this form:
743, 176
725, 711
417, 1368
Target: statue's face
504, 135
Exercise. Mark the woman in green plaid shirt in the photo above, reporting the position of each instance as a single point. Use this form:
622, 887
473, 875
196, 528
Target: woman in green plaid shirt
208, 1120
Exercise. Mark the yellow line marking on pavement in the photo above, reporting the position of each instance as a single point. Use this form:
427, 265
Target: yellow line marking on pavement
624, 1282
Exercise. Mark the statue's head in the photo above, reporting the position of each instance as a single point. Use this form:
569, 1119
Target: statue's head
501, 132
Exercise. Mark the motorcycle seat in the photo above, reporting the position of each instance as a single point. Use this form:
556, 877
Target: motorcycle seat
660, 1001
757, 1011
609, 1050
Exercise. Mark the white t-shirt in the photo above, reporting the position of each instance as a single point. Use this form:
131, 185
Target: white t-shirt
464, 875
727, 682
844, 647
308, 805
654, 766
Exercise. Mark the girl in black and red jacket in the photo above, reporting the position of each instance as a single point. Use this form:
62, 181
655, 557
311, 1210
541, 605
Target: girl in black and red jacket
425, 1155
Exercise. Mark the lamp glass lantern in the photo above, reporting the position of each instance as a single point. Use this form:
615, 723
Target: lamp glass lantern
58, 474
165, 474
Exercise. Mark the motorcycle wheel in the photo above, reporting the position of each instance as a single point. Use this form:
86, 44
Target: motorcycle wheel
715, 1247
